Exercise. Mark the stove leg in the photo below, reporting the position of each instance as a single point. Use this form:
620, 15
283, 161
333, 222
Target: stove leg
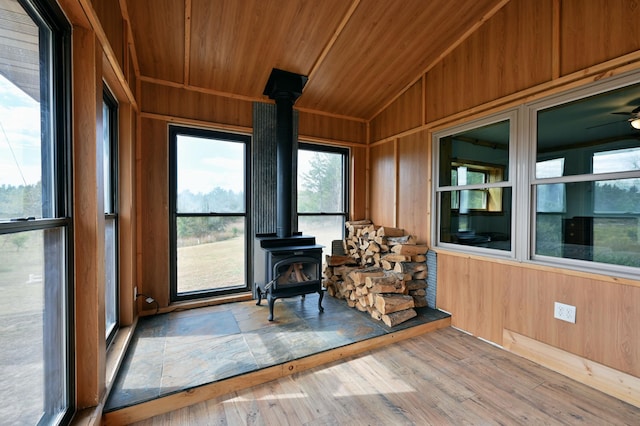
259, 291
271, 301
320, 308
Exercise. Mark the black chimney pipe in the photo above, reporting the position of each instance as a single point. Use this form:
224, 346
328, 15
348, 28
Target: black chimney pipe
285, 88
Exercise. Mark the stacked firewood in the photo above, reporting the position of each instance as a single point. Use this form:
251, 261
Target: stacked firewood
383, 272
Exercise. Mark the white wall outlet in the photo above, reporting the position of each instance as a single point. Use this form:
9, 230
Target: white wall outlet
564, 312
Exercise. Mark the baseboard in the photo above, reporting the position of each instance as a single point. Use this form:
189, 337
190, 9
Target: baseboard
598, 376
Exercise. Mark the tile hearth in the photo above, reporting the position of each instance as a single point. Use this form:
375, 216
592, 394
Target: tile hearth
173, 352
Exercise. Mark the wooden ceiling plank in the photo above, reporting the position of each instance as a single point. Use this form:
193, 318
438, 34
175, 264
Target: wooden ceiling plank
444, 53
130, 40
158, 29
334, 37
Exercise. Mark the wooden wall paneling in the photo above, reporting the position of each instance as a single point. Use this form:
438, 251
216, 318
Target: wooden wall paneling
403, 114
110, 17
382, 184
126, 212
606, 317
414, 181
453, 275
165, 32
378, 30
153, 207
320, 126
88, 212
512, 51
178, 102
358, 186
604, 30
474, 292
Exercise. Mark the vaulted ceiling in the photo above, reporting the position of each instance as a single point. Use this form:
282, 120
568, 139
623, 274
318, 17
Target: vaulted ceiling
359, 54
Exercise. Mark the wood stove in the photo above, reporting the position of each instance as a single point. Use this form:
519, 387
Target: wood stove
287, 267
286, 264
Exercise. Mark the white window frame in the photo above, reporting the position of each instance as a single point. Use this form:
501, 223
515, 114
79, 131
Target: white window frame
532, 110
522, 180
511, 116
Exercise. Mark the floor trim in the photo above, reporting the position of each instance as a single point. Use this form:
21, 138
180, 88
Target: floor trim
198, 394
598, 376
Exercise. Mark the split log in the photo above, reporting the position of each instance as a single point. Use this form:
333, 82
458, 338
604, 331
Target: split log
344, 271
420, 275
410, 249
389, 283
388, 303
358, 222
419, 302
396, 318
387, 266
359, 276
386, 231
395, 257
419, 258
337, 260
404, 239
410, 267
416, 285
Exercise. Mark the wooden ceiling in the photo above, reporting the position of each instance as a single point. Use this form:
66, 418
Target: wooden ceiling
359, 54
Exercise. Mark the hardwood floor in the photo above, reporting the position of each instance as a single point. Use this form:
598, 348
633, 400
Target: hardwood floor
441, 378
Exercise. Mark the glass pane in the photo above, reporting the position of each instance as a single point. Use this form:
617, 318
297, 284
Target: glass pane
619, 160
484, 150
32, 330
321, 182
325, 228
111, 281
211, 253
106, 158
491, 229
551, 198
620, 196
21, 137
210, 175
603, 228
590, 135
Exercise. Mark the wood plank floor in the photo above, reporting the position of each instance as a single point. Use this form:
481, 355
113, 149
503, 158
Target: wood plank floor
442, 378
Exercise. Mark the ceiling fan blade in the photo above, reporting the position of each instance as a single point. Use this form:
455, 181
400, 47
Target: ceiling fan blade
604, 124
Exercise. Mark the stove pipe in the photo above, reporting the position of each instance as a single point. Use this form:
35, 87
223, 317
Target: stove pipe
284, 88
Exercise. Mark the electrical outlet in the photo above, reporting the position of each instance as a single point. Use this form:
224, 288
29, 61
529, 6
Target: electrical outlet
564, 312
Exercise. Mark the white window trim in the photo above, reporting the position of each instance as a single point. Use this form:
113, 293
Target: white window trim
530, 138
509, 115
522, 180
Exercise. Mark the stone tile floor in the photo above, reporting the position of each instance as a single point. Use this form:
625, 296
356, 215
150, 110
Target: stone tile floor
173, 352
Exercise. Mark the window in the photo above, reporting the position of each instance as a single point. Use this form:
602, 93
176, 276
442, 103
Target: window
474, 190
35, 225
208, 209
587, 177
110, 169
577, 157
322, 192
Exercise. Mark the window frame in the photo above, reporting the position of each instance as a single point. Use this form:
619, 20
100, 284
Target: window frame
111, 214
346, 155
174, 130
56, 180
513, 117
531, 137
